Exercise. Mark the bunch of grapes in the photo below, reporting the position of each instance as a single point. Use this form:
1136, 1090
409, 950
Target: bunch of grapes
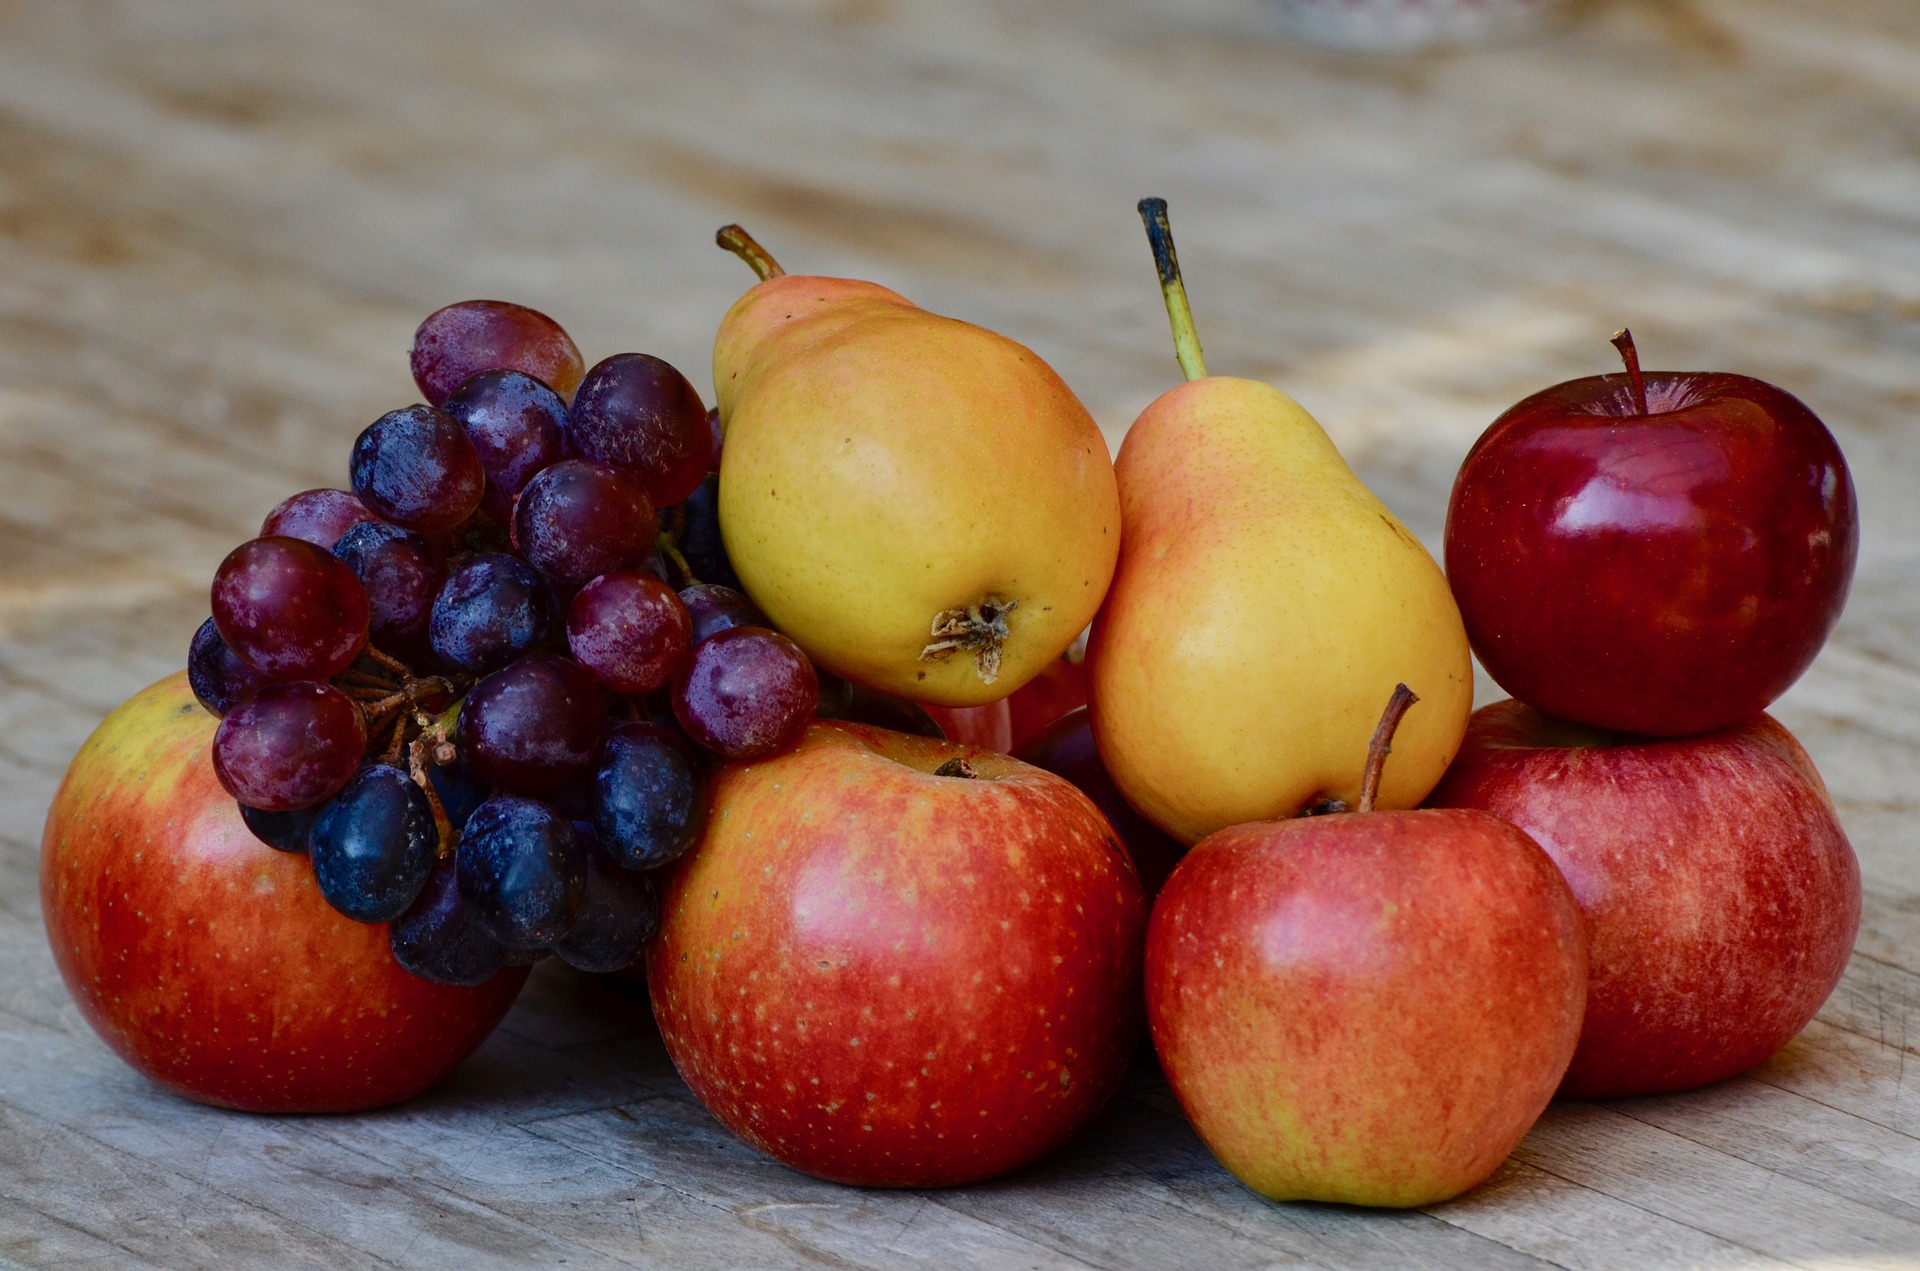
480, 687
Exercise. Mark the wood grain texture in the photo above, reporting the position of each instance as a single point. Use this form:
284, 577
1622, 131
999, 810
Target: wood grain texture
220, 220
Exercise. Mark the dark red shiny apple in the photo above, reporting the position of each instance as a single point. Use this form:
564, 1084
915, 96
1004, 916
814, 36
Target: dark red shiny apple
209, 961
1066, 749
988, 725
1720, 894
1060, 687
1661, 555
897, 962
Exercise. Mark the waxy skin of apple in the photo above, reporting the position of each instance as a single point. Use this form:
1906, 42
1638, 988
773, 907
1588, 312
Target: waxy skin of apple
1667, 573
1370, 1008
209, 961
1721, 895
889, 978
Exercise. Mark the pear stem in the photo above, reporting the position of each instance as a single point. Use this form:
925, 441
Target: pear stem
1186, 341
1382, 744
1623, 340
741, 244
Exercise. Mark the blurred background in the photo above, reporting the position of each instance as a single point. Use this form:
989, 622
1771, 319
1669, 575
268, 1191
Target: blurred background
221, 219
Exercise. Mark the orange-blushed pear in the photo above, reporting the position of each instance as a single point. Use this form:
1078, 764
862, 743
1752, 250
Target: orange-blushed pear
922, 504
1265, 603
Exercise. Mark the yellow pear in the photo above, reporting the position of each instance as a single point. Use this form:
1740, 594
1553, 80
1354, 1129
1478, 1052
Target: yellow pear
921, 504
1265, 604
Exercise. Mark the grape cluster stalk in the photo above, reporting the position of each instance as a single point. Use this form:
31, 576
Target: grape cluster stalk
481, 687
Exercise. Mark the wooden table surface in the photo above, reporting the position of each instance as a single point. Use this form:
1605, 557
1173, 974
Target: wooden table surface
220, 220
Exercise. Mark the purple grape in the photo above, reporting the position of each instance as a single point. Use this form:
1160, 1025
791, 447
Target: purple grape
747, 692
619, 913
517, 424
374, 844
437, 938
522, 870
402, 575
289, 746
630, 631
290, 610
318, 516
640, 415
416, 468
579, 519
533, 726
492, 609
286, 831
699, 536
713, 608
216, 674
715, 437
458, 342
646, 797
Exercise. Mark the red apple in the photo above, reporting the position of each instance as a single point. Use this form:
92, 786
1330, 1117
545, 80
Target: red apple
1060, 687
1720, 894
1367, 1007
897, 962
208, 960
1066, 749
1658, 555
988, 726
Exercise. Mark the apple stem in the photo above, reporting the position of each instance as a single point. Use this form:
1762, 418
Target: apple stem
1623, 340
1382, 744
1186, 341
741, 244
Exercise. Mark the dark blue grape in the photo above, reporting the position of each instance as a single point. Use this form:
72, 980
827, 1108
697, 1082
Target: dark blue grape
619, 913
646, 797
492, 609
416, 467
460, 790
518, 426
374, 844
287, 831
699, 534
714, 608
522, 871
402, 574
437, 938
215, 673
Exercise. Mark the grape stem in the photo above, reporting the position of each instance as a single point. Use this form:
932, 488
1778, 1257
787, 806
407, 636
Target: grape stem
1382, 744
389, 661
420, 756
1173, 288
396, 741
671, 550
